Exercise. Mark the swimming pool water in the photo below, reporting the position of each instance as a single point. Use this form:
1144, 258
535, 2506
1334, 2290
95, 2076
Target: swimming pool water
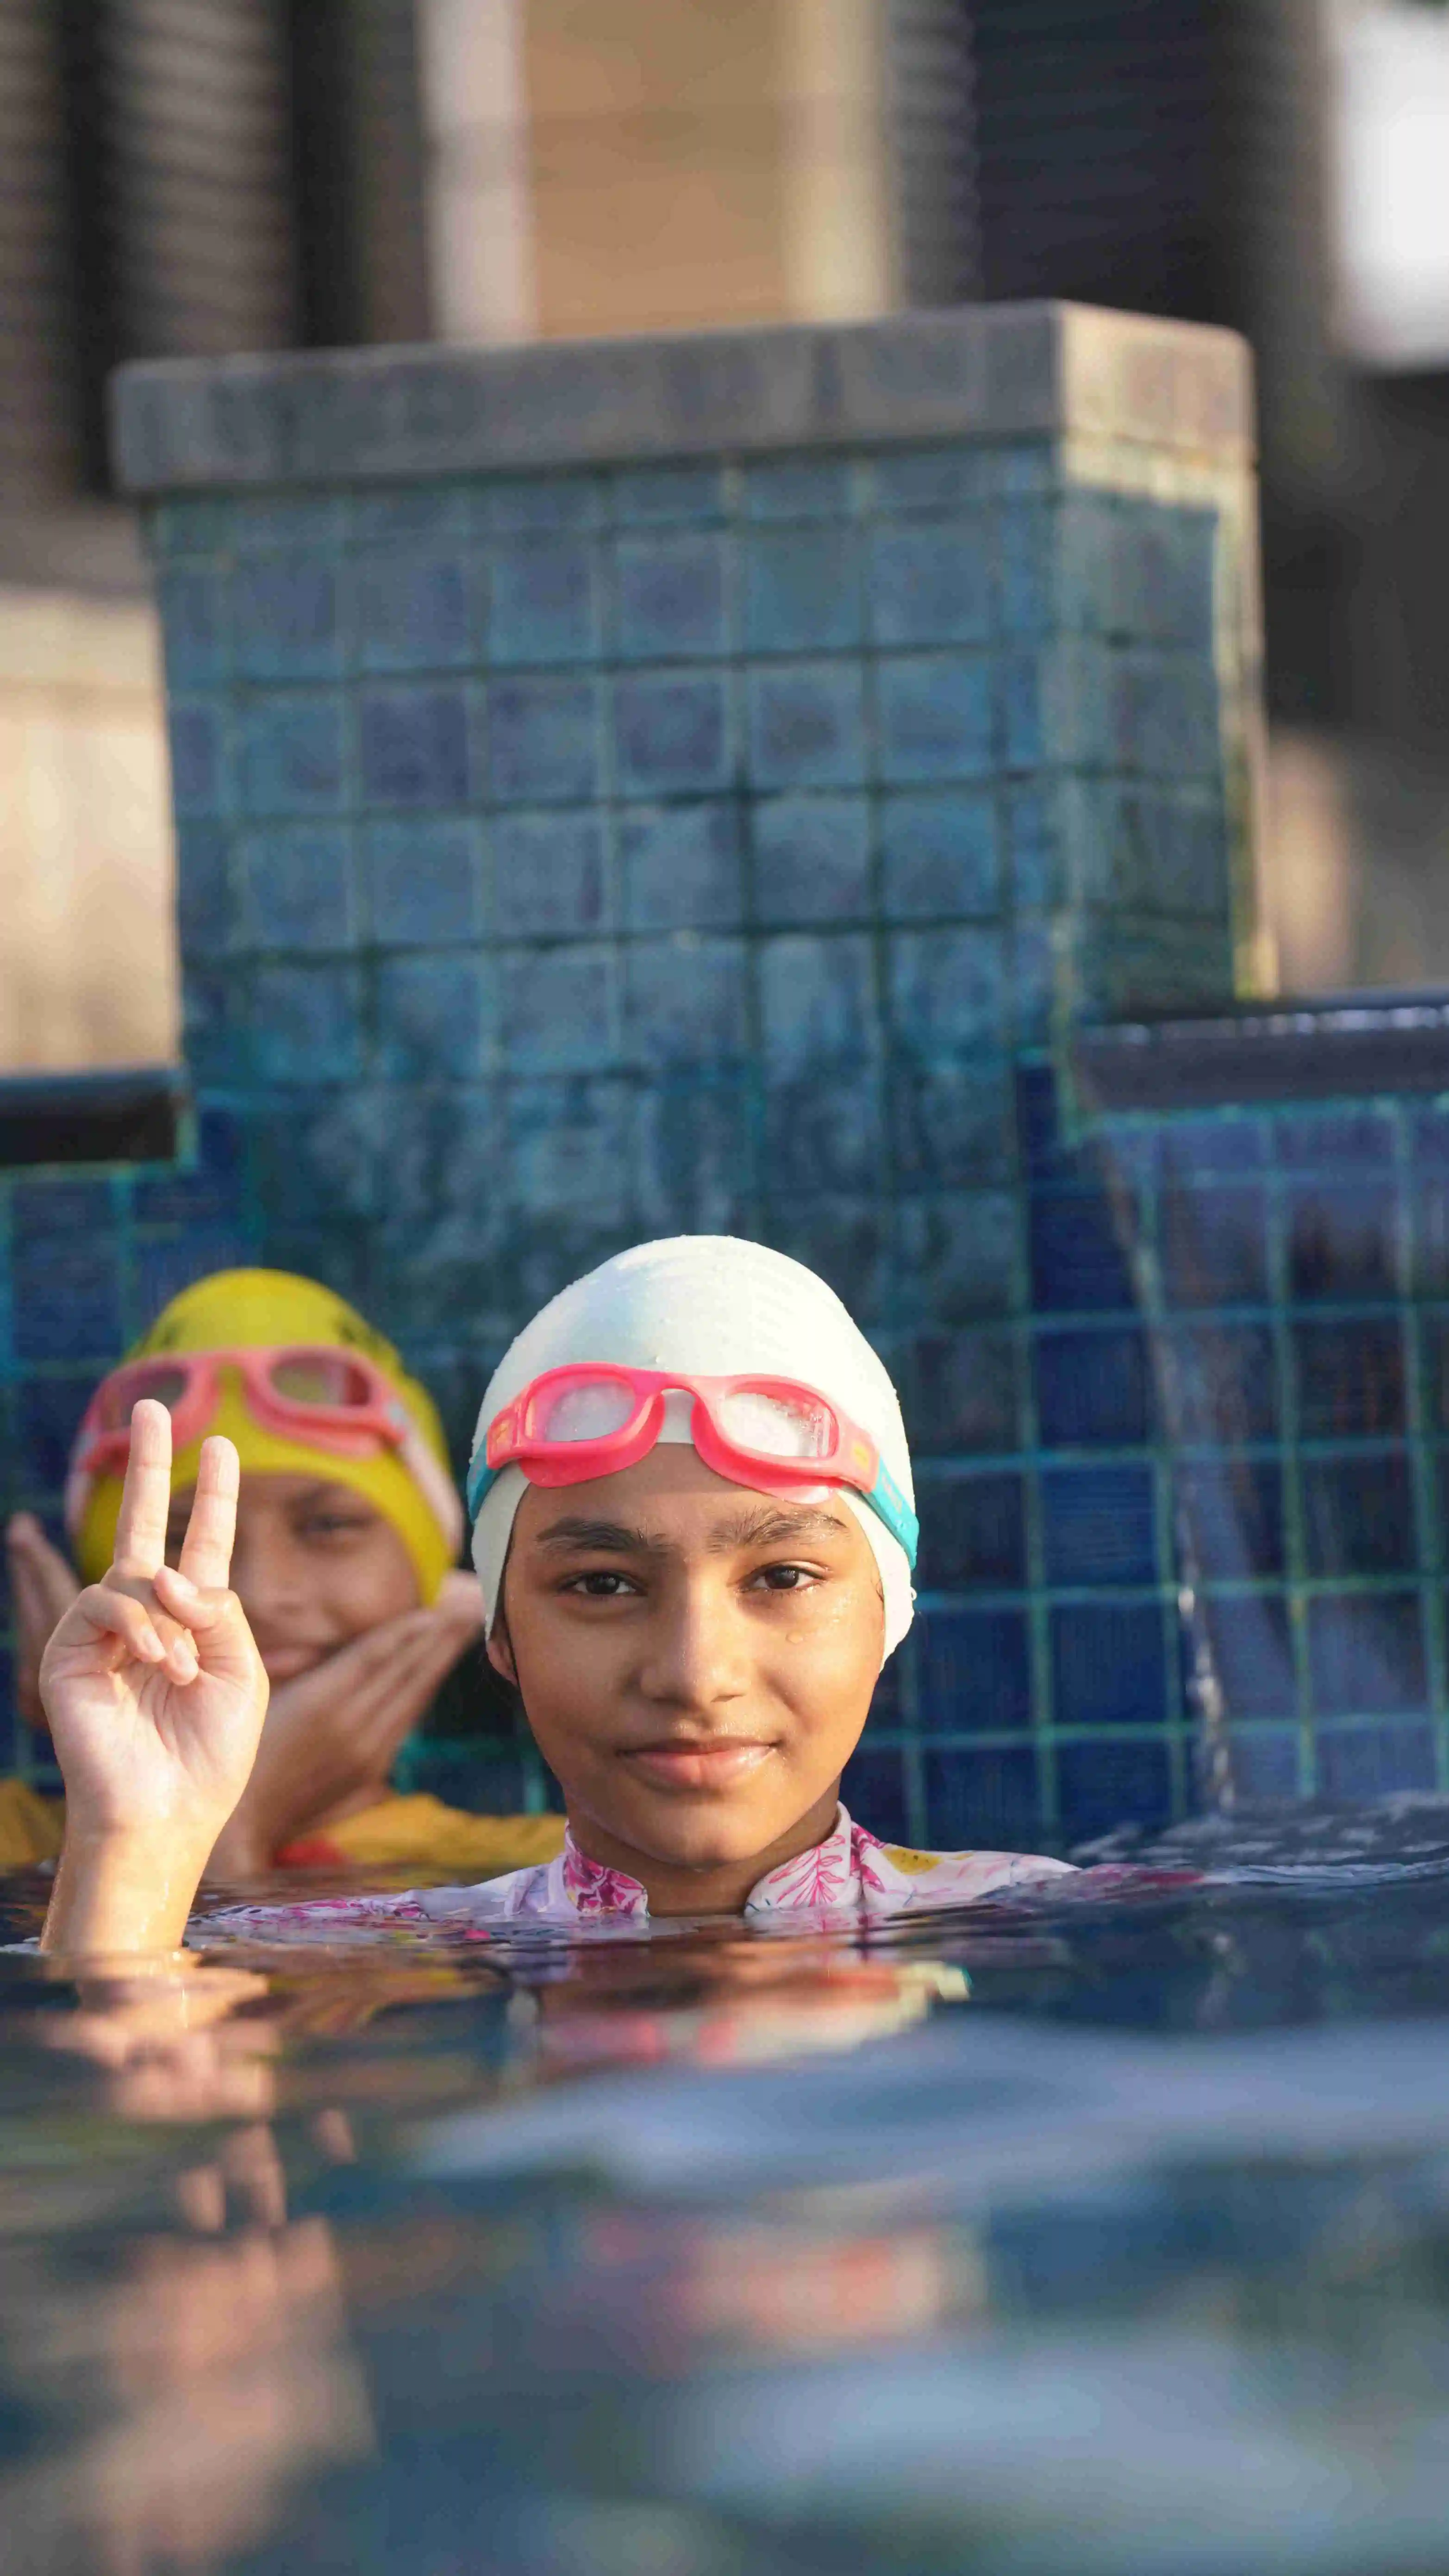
1093, 2235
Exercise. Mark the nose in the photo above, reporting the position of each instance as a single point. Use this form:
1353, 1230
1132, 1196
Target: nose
266, 1582
695, 1657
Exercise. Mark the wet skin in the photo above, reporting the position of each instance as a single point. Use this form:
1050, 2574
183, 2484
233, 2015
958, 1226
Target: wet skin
697, 1662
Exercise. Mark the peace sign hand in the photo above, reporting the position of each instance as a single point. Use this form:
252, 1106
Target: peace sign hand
155, 1693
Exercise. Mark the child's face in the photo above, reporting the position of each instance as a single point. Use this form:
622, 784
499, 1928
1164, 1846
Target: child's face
314, 1566
696, 1660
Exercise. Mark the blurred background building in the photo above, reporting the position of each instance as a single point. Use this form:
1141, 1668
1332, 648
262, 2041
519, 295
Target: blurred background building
197, 177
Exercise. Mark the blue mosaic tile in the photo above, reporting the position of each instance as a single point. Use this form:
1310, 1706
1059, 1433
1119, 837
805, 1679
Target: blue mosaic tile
392, 514
1026, 588
1093, 1389
982, 1799
1342, 1244
1033, 837
1368, 1762
817, 1002
193, 523
957, 1255
973, 1533
1077, 1259
289, 755
47, 1417
306, 1024
805, 487
973, 1672
430, 1017
1333, 1140
1216, 1147
424, 879
412, 610
807, 725
205, 900
671, 598
549, 874
823, 1134
570, 1145
842, 1239
874, 1788
684, 999
949, 1124
543, 601
812, 859
298, 886
802, 591
413, 745
1222, 1382
910, 479
1266, 1768
939, 855
557, 1010
1103, 1785
162, 1268
935, 718
1358, 1515
930, 582
672, 734
1098, 1525
1214, 1247
195, 626
947, 991
668, 495
1164, 570
1366, 1655
696, 1153
962, 1393
284, 618
543, 742
1350, 1377
1231, 1515
286, 523
1109, 1666
197, 763
67, 1293
680, 866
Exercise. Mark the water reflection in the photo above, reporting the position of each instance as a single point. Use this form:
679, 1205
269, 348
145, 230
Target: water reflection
1109, 2236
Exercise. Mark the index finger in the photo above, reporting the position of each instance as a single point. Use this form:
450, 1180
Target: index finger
211, 1530
146, 1495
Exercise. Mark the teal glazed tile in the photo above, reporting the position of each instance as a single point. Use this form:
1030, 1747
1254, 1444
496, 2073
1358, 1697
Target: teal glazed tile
672, 733
807, 725
696, 1152
289, 754
284, 619
684, 1000
843, 1241
412, 609
935, 717
424, 878
198, 768
195, 626
669, 496
940, 855
543, 742
570, 1145
430, 1018
681, 866
421, 513
930, 582
550, 873
1163, 574
190, 524
414, 746
205, 894
543, 601
1165, 717
812, 859
306, 1023
947, 990
963, 1393
817, 1002
823, 1131
287, 525
958, 1256
298, 886
556, 1010
806, 487
671, 597
509, 505
908, 480
950, 1123
802, 590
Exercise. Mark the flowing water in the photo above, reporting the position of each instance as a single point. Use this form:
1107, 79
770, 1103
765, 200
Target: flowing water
1104, 2233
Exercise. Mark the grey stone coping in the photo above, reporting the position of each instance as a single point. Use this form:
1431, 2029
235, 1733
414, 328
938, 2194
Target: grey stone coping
1266, 1052
979, 372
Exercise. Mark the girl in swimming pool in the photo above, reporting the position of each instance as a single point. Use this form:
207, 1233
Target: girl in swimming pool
694, 1533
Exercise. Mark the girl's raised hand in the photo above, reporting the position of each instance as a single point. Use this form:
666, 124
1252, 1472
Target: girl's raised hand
155, 1694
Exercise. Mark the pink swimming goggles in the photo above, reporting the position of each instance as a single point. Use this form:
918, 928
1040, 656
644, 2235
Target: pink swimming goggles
594, 1419
313, 1393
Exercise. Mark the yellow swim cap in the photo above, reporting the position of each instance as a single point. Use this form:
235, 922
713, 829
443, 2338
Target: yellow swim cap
266, 1309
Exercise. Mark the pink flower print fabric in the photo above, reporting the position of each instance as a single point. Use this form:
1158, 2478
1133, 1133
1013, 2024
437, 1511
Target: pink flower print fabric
849, 1874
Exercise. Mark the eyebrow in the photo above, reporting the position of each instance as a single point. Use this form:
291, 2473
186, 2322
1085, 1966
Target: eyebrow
768, 1527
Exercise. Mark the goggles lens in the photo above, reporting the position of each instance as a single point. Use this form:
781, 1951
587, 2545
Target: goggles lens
163, 1382
776, 1426
321, 1377
589, 1410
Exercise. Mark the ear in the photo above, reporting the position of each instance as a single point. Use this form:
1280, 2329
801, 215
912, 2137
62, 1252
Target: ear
500, 1650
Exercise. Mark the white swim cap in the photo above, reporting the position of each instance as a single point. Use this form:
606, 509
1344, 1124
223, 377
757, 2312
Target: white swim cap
713, 1306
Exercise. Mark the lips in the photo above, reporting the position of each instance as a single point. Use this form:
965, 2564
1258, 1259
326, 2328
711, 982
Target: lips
720, 1762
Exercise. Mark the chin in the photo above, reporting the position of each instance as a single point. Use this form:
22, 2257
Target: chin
706, 1838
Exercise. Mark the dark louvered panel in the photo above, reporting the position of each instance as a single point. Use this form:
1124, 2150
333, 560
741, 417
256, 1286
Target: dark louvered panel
191, 200
360, 171
929, 105
41, 438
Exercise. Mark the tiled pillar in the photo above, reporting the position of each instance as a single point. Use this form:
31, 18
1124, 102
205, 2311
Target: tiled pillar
633, 787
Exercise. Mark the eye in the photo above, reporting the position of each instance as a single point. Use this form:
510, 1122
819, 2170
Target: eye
601, 1583
785, 1578
324, 1525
